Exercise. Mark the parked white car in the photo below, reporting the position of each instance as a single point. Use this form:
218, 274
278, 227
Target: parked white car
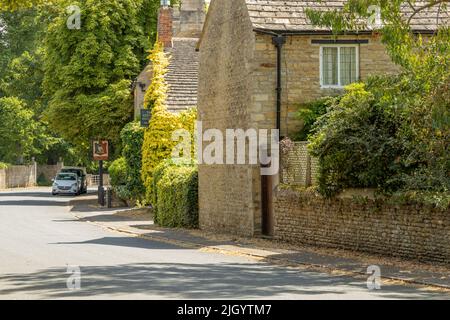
66, 183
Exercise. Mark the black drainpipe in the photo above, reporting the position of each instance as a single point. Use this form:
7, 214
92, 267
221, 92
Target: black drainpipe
279, 41
266, 182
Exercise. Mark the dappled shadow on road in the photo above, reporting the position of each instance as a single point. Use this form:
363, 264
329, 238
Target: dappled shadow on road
194, 281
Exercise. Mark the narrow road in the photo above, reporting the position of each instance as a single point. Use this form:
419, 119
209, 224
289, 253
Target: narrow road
41, 241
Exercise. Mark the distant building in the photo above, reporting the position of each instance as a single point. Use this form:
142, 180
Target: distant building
179, 29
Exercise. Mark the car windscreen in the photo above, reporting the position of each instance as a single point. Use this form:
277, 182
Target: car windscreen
66, 177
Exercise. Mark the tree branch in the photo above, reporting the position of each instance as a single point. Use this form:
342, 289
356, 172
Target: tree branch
424, 7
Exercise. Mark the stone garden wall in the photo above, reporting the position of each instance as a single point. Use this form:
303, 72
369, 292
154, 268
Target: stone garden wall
18, 177
405, 231
298, 168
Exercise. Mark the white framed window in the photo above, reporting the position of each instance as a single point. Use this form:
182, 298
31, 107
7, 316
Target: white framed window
339, 65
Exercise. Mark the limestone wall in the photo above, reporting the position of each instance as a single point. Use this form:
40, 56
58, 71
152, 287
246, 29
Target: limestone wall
405, 231
301, 75
228, 197
298, 167
18, 177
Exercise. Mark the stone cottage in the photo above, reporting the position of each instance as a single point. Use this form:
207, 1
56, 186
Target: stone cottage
259, 59
179, 29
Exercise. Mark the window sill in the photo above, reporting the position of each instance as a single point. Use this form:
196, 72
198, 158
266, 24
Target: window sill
332, 87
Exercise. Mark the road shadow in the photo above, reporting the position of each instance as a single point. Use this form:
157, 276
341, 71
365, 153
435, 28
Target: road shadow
31, 194
33, 203
195, 281
33, 198
129, 242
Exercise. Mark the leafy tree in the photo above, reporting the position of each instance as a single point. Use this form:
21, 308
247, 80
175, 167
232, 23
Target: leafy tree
18, 34
88, 72
17, 132
11, 5
21, 76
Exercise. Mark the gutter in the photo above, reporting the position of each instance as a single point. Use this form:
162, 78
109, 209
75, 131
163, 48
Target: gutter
327, 32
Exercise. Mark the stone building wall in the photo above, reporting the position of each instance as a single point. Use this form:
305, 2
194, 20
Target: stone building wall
237, 89
301, 75
406, 231
228, 196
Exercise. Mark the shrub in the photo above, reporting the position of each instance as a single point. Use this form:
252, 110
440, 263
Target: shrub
118, 172
3, 165
132, 137
392, 134
158, 144
42, 181
175, 195
356, 143
309, 113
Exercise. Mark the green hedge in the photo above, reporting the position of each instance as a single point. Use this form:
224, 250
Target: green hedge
118, 172
132, 137
175, 194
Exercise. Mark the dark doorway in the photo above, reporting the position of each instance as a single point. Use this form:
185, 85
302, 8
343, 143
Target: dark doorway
267, 206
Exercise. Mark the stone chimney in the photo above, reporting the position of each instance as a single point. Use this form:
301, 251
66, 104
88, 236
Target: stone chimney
192, 18
165, 24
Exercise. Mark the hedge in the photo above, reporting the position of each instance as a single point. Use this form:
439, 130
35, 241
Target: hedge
118, 172
175, 197
132, 137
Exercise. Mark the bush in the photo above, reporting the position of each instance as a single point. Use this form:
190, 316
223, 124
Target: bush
42, 181
390, 134
309, 113
132, 137
175, 195
356, 143
118, 172
3, 165
158, 144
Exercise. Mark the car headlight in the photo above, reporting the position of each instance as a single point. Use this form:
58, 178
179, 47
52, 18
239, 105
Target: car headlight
74, 185
55, 185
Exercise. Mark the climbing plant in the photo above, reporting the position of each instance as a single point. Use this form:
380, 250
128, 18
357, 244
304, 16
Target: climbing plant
158, 144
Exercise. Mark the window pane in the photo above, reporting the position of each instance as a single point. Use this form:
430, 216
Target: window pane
330, 66
348, 65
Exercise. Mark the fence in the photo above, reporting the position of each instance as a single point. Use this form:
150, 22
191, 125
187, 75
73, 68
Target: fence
94, 180
298, 167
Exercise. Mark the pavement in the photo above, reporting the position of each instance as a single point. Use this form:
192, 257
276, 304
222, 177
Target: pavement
139, 223
50, 251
